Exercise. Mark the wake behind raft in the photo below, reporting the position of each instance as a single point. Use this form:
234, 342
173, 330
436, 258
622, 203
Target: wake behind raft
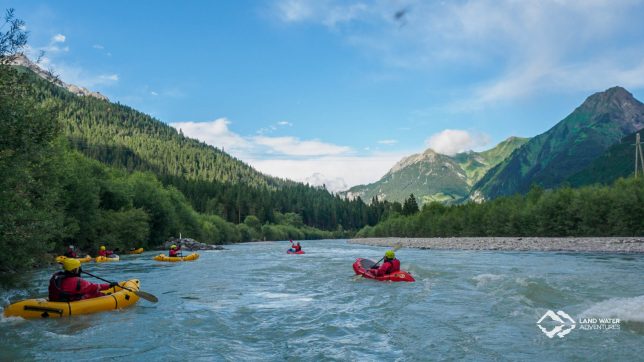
363, 266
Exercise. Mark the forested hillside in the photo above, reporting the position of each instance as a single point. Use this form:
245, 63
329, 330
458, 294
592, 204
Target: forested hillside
614, 210
212, 181
52, 195
618, 161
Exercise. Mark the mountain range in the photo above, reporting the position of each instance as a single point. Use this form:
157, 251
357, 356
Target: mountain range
212, 181
591, 145
594, 144
568, 148
21, 60
432, 176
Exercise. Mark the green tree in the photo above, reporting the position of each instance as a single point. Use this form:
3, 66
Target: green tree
15, 37
30, 218
410, 206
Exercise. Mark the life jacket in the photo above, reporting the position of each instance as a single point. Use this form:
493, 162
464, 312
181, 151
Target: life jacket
388, 267
395, 266
70, 254
173, 253
297, 247
57, 294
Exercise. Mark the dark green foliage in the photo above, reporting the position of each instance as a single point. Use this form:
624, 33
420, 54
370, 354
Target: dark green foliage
53, 195
212, 181
616, 210
410, 206
618, 161
30, 219
569, 147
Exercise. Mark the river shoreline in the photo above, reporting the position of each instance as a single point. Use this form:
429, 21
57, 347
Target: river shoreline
560, 244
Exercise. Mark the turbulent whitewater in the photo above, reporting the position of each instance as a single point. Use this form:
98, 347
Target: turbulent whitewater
255, 302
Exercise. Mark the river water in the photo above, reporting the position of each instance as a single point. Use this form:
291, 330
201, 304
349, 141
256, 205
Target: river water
255, 302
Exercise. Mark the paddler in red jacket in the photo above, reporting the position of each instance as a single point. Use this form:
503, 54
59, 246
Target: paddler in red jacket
68, 286
390, 265
70, 253
297, 247
174, 251
103, 252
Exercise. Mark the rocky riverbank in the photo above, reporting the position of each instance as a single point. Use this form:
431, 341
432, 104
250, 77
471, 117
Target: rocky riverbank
576, 244
190, 244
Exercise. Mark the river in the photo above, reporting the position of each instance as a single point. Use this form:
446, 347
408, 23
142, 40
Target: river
255, 302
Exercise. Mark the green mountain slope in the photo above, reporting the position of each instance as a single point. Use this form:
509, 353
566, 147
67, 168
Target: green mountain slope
211, 180
476, 164
431, 176
567, 148
618, 161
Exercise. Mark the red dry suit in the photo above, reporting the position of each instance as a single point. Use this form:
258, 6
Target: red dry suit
67, 287
105, 252
174, 252
388, 267
70, 253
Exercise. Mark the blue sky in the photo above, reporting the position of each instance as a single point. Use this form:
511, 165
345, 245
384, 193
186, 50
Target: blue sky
338, 91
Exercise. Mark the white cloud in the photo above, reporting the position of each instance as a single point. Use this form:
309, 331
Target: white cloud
58, 38
215, 133
335, 184
329, 13
311, 161
109, 77
274, 127
52, 49
294, 10
337, 170
516, 49
388, 142
293, 146
79, 76
98, 46
68, 73
154, 93
453, 141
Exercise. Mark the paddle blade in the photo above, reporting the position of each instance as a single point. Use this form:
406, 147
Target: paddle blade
366, 264
147, 296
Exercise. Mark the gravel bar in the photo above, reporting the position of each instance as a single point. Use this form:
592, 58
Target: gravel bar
571, 244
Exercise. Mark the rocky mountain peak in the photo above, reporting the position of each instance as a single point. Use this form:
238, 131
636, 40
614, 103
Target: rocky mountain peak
20, 59
615, 98
428, 156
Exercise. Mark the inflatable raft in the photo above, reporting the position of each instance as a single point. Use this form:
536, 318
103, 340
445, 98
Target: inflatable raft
289, 251
136, 251
103, 259
362, 267
115, 298
163, 257
59, 259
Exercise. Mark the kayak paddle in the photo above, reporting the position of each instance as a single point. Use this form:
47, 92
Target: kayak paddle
147, 296
396, 247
